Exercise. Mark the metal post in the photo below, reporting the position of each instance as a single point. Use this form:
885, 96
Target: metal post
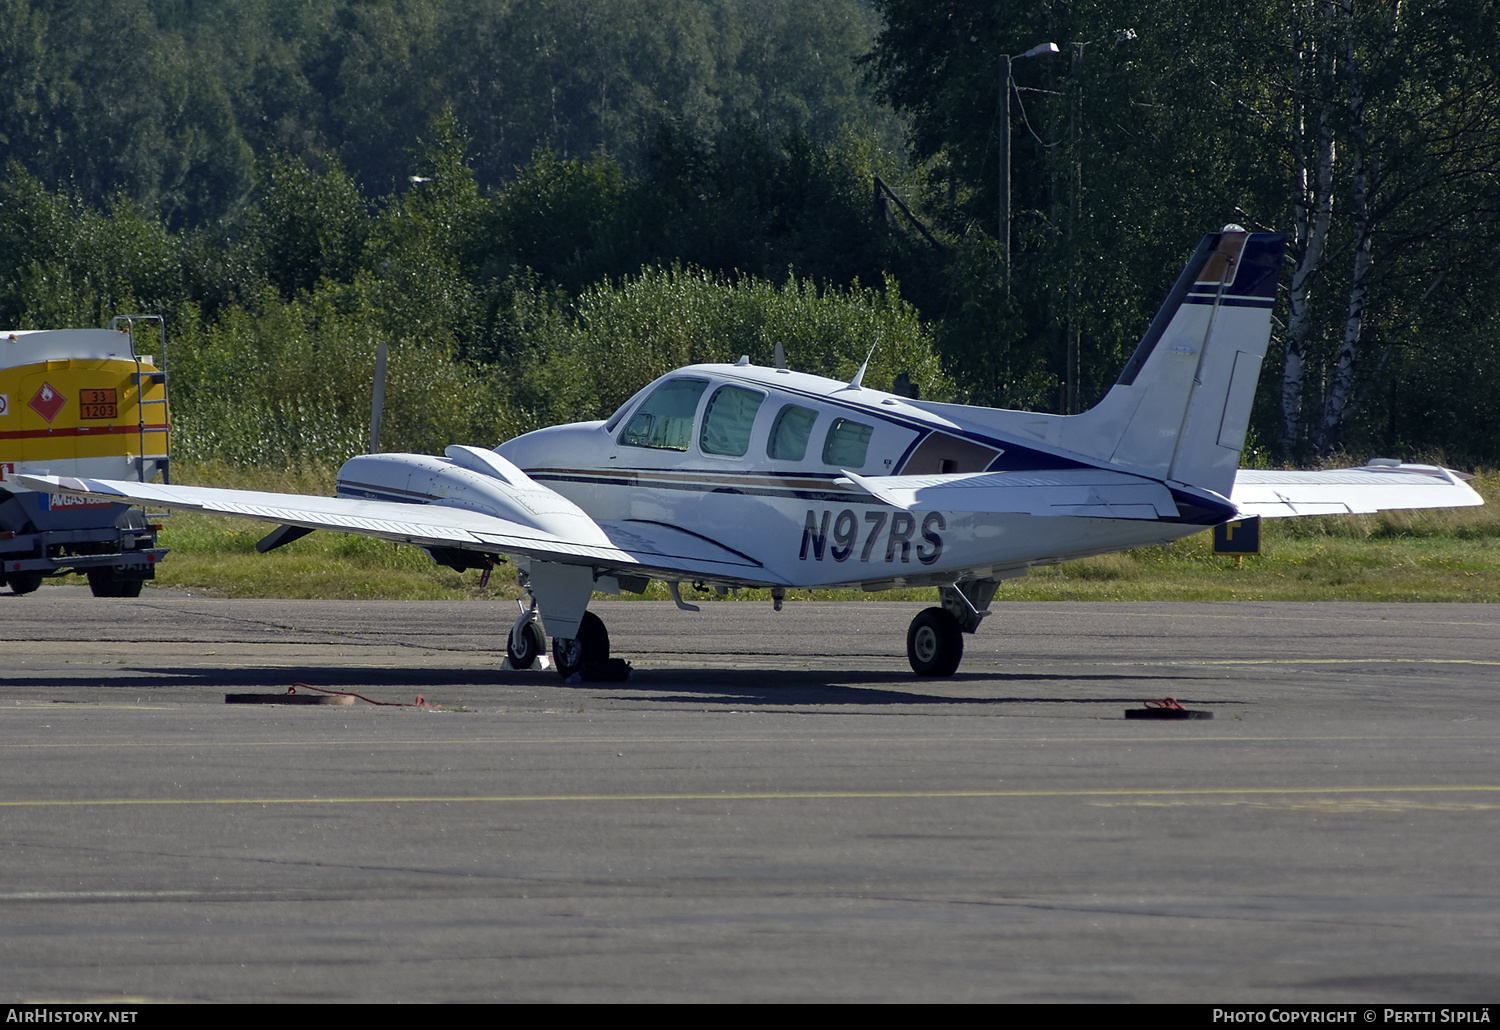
377, 398
1005, 171
1070, 361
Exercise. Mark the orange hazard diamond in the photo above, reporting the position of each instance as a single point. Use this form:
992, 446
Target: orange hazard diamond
47, 402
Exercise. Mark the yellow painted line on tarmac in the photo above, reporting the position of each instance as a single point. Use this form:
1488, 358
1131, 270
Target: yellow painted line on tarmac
1322, 805
816, 795
1310, 661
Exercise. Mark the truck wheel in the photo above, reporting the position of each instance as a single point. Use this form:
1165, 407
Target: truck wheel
106, 583
24, 582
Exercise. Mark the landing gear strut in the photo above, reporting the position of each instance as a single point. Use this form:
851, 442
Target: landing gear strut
934, 643
590, 647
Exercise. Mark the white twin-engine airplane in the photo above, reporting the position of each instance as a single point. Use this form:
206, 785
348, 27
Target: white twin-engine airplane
743, 476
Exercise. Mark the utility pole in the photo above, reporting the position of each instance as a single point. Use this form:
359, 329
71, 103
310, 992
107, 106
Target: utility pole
1072, 402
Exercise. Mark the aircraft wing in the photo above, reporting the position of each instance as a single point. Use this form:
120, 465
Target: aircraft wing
1087, 493
634, 548
1274, 494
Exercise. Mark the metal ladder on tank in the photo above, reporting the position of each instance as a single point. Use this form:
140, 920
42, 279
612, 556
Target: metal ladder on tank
144, 380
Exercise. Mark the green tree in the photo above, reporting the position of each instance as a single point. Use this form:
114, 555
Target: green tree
306, 227
1367, 132
380, 66
62, 263
98, 99
414, 269
628, 332
571, 221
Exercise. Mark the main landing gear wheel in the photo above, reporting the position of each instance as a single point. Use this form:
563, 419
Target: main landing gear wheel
522, 649
934, 643
588, 648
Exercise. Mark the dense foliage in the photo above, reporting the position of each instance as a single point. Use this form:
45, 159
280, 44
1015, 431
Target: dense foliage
170, 101
501, 310
1368, 132
539, 206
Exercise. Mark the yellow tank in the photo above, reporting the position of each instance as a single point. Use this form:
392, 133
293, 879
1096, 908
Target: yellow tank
78, 402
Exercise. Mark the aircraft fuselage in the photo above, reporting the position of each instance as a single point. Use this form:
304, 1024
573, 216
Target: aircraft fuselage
783, 492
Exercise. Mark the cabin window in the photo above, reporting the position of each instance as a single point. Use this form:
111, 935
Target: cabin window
665, 421
846, 444
943, 454
789, 433
728, 419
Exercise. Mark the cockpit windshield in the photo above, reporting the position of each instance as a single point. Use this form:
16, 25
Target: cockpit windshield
622, 410
664, 420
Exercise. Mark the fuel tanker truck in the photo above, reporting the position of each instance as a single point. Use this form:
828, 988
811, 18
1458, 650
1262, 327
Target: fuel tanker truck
80, 402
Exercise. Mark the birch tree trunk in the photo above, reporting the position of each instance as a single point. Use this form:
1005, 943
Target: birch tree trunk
1364, 154
1312, 199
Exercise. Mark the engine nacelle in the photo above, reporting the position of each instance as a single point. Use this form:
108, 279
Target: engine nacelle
468, 478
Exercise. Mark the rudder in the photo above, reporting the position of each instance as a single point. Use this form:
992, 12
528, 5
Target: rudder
1181, 407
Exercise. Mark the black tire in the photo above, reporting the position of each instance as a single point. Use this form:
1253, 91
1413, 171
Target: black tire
523, 653
590, 646
24, 582
934, 643
108, 583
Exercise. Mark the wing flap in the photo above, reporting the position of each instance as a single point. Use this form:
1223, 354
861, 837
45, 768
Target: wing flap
1273, 494
1083, 493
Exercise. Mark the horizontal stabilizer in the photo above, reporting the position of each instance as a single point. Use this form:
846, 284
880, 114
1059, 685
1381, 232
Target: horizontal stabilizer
1376, 487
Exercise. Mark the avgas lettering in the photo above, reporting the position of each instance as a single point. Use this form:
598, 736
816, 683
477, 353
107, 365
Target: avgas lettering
53, 502
838, 536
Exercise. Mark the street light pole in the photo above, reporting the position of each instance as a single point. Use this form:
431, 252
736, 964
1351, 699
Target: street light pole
1071, 360
1005, 62
1005, 171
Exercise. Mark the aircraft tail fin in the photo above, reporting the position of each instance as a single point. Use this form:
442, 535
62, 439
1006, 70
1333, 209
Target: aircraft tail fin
1181, 407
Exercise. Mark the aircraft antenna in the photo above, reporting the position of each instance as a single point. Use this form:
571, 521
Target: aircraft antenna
859, 377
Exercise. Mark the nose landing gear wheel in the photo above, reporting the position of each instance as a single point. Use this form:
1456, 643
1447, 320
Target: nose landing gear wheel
934, 643
588, 648
523, 648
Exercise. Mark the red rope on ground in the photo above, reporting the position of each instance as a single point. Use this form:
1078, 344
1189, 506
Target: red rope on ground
420, 702
1169, 703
